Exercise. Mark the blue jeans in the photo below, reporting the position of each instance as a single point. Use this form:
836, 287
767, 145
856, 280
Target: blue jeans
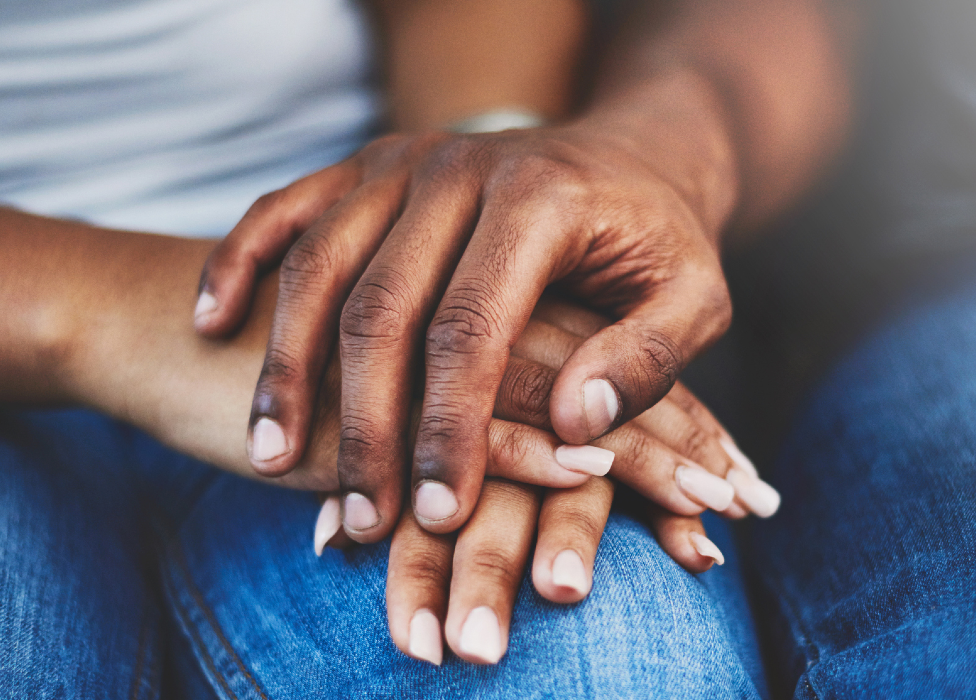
128, 571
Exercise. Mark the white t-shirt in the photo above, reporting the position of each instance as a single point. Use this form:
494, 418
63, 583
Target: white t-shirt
174, 115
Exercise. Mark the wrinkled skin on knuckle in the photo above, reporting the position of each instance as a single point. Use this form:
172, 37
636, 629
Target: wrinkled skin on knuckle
281, 366
377, 313
527, 389
576, 524
306, 266
490, 564
655, 367
467, 322
444, 420
512, 444
424, 571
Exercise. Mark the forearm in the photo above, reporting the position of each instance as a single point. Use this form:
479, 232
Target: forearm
743, 103
450, 59
104, 319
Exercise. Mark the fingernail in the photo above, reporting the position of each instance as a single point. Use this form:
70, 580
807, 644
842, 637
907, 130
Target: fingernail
568, 571
435, 501
425, 637
599, 405
267, 440
758, 496
736, 455
360, 513
327, 524
206, 303
704, 487
481, 636
585, 459
735, 511
706, 548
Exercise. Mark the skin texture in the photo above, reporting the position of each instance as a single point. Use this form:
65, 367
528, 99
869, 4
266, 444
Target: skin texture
431, 250
101, 318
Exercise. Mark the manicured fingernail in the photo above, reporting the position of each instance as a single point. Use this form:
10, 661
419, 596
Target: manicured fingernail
704, 487
706, 548
360, 513
586, 459
599, 405
327, 524
435, 501
425, 637
758, 496
267, 440
735, 454
481, 636
735, 511
568, 571
206, 303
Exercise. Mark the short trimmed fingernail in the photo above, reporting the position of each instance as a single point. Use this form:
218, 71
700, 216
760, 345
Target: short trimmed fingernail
568, 571
585, 459
736, 455
435, 501
758, 496
327, 524
267, 440
425, 637
481, 635
206, 303
599, 405
704, 487
359, 512
706, 548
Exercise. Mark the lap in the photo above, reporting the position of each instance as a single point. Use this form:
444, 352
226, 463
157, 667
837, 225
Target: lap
265, 618
870, 556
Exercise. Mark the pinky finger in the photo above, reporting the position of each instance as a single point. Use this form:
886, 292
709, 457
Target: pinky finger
684, 539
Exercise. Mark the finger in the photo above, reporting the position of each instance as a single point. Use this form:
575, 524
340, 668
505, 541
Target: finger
684, 539
328, 526
531, 456
501, 275
572, 318
570, 527
416, 589
674, 427
489, 559
315, 278
259, 240
662, 475
623, 370
379, 331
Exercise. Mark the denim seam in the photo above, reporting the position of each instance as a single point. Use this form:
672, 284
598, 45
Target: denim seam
211, 619
141, 652
195, 634
796, 624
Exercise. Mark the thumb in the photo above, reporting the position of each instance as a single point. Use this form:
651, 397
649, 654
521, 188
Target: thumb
627, 367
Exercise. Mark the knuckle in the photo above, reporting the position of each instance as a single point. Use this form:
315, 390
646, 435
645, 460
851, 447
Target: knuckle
527, 391
660, 361
378, 310
465, 323
308, 262
695, 443
268, 203
280, 367
579, 524
443, 421
513, 446
492, 564
425, 571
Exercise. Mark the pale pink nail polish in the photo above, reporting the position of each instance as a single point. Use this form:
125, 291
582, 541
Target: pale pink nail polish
706, 548
600, 406
267, 440
758, 496
481, 635
568, 572
360, 513
327, 524
585, 459
206, 303
434, 501
704, 487
425, 637
736, 455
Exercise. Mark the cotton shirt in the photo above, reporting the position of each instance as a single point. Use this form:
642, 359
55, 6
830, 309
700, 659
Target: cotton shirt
174, 115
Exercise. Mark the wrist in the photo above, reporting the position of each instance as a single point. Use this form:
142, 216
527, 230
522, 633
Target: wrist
678, 124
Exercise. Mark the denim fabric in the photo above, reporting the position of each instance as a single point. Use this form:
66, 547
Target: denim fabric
263, 617
870, 562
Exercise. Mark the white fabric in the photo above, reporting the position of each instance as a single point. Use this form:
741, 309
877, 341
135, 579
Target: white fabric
174, 115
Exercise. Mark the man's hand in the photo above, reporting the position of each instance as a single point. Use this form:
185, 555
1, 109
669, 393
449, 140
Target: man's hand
443, 245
